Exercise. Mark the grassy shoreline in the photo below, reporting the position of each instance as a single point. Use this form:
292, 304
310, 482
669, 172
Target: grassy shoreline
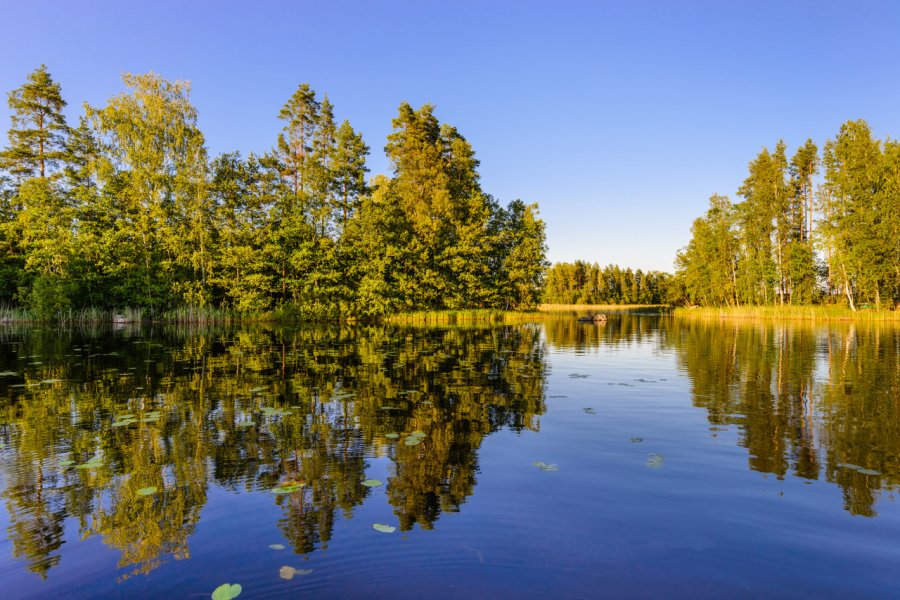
794, 313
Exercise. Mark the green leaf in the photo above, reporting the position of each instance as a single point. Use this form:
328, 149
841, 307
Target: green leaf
289, 488
372, 483
227, 591
545, 466
418, 434
384, 528
276, 546
412, 441
147, 491
392, 436
655, 461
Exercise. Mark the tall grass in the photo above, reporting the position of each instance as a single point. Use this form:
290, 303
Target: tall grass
826, 312
453, 317
568, 307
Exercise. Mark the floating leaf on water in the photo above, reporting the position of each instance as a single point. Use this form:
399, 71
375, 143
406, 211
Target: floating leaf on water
8, 373
147, 491
122, 417
412, 440
287, 572
124, 422
244, 424
545, 466
655, 461
66, 462
372, 483
590, 411
859, 469
94, 463
418, 434
578, 376
392, 436
384, 528
256, 390
227, 591
276, 546
635, 440
288, 488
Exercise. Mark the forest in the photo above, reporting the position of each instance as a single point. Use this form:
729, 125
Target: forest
798, 239
126, 209
588, 283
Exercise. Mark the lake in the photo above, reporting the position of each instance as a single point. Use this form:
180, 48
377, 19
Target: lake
646, 457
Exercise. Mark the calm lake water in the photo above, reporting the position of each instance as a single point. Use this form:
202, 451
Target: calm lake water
647, 457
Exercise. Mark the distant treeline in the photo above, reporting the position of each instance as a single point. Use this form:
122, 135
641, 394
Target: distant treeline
790, 241
588, 283
126, 209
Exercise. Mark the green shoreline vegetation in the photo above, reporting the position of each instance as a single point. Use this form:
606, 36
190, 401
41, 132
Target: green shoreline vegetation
127, 210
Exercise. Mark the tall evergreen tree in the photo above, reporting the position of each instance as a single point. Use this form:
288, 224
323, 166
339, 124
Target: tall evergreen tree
38, 130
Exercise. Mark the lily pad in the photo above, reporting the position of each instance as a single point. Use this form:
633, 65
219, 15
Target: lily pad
392, 436
287, 572
655, 461
257, 390
372, 483
636, 440
418, 434
276, 546
859, 469
147, 491
412, 441
590, 411
545, 466
94, 463
384, 528
289, 488
244, 424
66, 462
227, 591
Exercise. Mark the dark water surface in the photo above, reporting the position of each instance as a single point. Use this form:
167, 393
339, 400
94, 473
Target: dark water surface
647, 457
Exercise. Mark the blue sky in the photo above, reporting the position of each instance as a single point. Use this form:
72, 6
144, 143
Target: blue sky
619, 118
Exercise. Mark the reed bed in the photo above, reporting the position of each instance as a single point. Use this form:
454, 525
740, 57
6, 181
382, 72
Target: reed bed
827, 312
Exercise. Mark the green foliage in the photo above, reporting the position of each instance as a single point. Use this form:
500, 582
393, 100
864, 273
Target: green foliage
137, 216
765, 249
587, 283
48, 297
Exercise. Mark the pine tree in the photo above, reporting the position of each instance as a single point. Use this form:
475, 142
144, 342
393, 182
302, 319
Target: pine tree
38, 129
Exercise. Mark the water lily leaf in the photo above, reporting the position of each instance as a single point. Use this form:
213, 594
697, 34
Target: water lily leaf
276, 546
66, 462
635, 440
655, 461
288, 488
384, 528
859, 469
244, 424
590, 411
550, 467
412, 441
372, 483
256, 390
147, 491
418, 434
392, 436
227, 591
287, 572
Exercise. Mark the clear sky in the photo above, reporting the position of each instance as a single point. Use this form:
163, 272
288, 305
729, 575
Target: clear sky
619, 118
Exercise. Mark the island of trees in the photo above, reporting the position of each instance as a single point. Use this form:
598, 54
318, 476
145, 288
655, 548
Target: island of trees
126, 209
790, 241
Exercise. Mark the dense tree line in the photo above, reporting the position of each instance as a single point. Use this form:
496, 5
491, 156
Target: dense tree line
588, 283
791, 242
127, 209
